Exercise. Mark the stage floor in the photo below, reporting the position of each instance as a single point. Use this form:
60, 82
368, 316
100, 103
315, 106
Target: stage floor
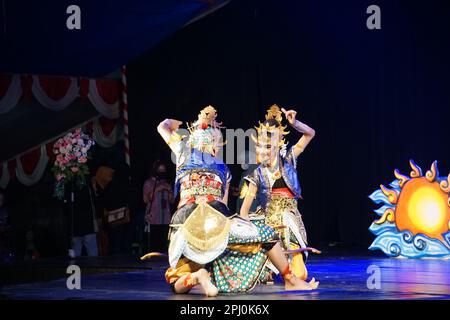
341, 277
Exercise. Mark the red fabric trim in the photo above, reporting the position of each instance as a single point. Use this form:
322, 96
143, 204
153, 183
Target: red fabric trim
189, 281
12, 164
108, 90
30, 160
84, 89
287, 272
55, 87
283, 192
50, 154
191, 199
27, 81
107, 125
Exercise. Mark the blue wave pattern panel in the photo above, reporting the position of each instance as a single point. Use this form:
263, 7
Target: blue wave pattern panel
395, 243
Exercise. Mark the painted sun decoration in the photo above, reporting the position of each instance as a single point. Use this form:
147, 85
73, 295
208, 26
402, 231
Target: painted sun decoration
415, 215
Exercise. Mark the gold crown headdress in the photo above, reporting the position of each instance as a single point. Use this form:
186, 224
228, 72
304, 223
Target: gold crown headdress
266, 130
206, 118
205, 131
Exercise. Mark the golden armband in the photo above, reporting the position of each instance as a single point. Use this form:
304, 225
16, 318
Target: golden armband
245, 191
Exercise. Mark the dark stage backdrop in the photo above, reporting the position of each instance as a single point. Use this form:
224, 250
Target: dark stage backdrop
375, 98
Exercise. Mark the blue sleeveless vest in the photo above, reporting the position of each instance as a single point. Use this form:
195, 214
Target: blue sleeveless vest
290, 177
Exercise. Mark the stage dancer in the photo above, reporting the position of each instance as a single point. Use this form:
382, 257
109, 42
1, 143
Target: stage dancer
209, 245
276, 184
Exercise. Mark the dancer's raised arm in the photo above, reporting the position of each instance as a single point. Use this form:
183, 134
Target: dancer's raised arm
227, 192
167, 129
248, 200
308, 132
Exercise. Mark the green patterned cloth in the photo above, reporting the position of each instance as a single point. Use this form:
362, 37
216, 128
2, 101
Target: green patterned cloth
235, 271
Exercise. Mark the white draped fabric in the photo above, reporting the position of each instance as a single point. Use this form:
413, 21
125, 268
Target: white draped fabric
12, 95
105, 141
15, 91
55, 105
110, 111
33, 178
99, 93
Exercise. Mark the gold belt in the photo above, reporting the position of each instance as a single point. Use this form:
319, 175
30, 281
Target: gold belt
197, 191
277, 205
281, 204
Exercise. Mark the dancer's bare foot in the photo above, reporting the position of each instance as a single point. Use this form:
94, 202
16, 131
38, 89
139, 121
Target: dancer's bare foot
203, 279
314, 284
295, 283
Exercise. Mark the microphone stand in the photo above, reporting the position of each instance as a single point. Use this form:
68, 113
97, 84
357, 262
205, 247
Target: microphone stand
150, 209
72, 209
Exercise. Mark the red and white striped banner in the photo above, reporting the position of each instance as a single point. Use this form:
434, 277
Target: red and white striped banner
125, 115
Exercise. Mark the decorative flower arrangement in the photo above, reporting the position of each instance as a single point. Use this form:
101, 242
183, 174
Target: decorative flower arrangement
72, 154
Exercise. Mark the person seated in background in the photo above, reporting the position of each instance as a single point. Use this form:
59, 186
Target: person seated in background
158, 197
103, 176
113, 203
84, 222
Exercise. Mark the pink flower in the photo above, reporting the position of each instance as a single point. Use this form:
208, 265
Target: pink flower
82, 160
